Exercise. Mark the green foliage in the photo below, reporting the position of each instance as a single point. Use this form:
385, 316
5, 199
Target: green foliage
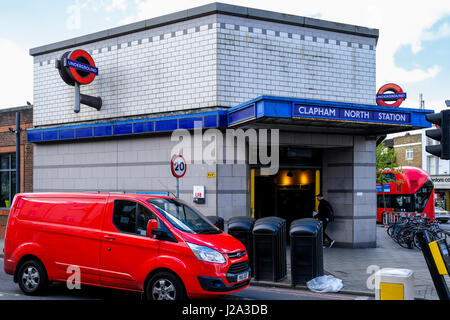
387, 165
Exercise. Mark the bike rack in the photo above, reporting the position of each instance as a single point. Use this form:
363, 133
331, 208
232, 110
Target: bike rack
395, 216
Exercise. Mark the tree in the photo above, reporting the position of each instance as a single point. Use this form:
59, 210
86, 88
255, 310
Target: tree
387, 168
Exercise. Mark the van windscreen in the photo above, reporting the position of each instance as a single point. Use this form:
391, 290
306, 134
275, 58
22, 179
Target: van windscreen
183, 217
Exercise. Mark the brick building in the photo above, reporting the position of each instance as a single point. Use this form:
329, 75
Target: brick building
408, 148
222, 67
7, 158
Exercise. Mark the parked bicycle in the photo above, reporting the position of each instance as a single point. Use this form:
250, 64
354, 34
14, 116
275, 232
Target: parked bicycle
404, 227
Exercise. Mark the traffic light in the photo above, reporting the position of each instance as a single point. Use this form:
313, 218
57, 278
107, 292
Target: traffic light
441, 134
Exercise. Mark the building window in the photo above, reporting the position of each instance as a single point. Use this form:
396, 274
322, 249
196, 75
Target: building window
7, 179
409, 154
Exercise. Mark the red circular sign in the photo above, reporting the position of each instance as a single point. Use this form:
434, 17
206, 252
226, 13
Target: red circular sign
77, 67
82, 77
178, 166
390, 88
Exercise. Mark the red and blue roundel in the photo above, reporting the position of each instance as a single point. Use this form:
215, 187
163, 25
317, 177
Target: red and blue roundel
77, 66
390, 92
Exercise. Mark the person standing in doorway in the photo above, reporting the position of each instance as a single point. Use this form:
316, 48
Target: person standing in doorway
326, 215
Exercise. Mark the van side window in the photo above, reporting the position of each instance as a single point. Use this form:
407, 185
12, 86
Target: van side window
131, 217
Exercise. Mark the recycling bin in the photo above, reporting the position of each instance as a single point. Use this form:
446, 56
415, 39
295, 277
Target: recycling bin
219, 222
241, 228
306, 250
269, 249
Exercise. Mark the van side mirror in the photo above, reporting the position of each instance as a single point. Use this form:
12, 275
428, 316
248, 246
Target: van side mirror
163, 235
152, 225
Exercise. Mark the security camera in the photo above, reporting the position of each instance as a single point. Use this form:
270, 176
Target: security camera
447, 103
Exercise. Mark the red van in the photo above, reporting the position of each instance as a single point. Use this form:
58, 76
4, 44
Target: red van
151, 244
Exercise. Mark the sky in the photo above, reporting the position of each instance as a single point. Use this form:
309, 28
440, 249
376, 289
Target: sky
413, 49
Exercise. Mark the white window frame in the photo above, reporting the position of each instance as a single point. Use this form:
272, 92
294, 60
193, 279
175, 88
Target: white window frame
409, 154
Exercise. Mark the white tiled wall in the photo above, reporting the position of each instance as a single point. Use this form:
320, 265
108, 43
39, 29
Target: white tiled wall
217, 60
159, 70
264, 58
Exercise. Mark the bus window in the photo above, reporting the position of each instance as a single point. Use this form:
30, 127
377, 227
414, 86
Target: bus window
399, 202
422, 195
402, 202
380, 201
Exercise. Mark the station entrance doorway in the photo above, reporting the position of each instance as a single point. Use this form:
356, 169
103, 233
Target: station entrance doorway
291, 192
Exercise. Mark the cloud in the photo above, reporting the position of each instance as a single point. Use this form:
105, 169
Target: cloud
16, 86
116, 5
146, 9
399, 24
73, 11
427, 35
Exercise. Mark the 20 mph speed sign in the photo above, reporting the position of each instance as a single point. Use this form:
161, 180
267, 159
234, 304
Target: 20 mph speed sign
178, 166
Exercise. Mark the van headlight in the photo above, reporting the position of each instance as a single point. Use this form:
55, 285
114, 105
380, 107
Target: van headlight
206, 254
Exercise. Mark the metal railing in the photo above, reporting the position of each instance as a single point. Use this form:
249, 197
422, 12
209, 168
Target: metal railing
395, 216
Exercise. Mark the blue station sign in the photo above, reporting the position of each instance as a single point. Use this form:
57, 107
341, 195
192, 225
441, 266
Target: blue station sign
349, 114
80, 66
374, 118
392, 96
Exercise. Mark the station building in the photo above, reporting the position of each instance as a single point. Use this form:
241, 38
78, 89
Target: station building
309, 83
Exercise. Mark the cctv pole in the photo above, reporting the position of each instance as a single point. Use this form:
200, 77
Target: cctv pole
18, 130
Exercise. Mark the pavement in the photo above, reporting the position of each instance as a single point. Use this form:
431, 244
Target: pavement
355, 267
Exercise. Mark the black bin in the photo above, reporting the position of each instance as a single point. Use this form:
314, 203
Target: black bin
269, 249
306, 250
217, 221
241, 228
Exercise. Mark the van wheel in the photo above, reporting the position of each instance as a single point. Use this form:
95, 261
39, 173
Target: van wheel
164, 286
32, 277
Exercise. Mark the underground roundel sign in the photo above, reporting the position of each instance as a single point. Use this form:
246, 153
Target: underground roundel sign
77, 66
178, 166
390, 95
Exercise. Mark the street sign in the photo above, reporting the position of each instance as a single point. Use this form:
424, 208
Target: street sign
390, 92
78, 68
178, 166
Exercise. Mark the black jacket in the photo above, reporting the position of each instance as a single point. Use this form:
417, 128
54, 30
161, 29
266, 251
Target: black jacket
326, 212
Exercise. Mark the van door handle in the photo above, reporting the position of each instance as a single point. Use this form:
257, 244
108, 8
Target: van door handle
109, 237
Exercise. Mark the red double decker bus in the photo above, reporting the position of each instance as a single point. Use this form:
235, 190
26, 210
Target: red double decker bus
415, 195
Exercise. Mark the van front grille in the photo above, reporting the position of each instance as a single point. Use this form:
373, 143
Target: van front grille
238, 267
